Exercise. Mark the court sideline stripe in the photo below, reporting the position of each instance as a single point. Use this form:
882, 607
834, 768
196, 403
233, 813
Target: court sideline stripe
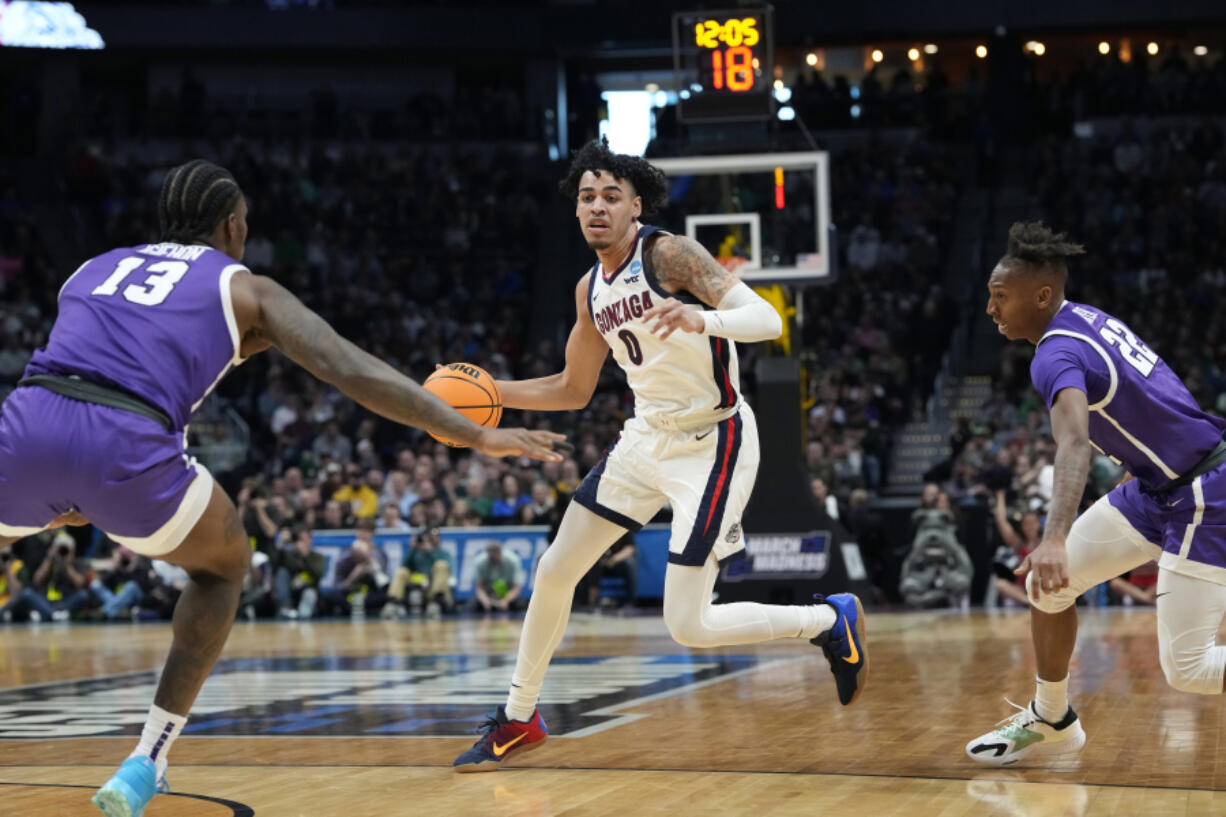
239, 809
514, 769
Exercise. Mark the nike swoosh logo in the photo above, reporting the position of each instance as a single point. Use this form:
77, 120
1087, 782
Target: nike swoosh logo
999, 748
703, 436
499, 751
1160, 595
854, 658
1173, 504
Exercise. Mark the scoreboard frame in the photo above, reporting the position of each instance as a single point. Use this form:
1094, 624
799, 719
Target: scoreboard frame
730, 55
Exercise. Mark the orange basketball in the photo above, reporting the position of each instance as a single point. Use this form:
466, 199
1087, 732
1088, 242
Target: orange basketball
469, 390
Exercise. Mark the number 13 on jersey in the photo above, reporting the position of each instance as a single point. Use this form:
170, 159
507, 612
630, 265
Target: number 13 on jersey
158, 285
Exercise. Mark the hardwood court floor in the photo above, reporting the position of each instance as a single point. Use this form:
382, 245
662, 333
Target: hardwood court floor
364, 718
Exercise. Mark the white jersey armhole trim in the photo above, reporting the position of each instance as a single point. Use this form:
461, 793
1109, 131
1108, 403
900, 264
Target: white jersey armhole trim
1101, 405
60, 294
1140, 446
1115, 379
227, 306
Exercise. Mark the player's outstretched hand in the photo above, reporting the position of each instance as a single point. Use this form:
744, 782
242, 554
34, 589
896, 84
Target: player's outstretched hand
672, 315
513, 442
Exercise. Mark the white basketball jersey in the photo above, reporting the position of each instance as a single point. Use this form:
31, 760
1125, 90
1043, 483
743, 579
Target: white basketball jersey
688, 379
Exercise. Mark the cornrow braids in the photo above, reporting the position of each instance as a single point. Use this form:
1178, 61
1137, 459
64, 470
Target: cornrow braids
195, 197
649, 181
1036, 244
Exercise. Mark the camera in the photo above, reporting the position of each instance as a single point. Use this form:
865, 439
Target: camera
6, 557
62, 550
1004, 562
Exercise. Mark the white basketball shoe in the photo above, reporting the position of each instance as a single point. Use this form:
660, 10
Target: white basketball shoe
1025, 734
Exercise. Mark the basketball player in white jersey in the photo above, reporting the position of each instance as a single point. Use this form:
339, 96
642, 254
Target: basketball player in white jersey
670, 314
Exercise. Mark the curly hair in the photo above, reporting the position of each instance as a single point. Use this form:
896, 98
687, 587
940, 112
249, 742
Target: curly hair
195, 197
1037, 245
649, 181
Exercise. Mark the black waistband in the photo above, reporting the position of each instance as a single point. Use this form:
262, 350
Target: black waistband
1211, 460
77, 389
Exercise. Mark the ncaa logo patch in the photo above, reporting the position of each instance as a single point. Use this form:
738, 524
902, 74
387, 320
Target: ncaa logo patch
368, 696
636, 267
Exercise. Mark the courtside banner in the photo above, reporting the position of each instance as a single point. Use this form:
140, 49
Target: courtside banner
525, 542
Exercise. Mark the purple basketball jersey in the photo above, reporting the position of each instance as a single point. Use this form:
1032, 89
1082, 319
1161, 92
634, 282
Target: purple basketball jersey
1141, 414
155, 320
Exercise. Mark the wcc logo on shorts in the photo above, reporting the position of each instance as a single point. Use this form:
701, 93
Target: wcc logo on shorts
365, 697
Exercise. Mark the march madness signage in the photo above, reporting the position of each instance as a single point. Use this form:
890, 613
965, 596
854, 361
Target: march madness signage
773, 556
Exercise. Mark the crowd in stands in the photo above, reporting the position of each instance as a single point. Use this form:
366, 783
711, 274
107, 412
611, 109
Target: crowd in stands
422, 252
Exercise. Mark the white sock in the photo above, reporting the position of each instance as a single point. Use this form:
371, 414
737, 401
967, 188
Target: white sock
159, 733
1051, 699
521, 701
817, 619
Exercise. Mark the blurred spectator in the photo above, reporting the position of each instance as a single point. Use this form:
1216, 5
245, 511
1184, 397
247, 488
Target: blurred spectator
333, 445
260, 518
505, 509
257, 599
426, 577
498, 579
363, 500
164, 589
122, 586
10, 583
56, 589
541, 508
298, 576
361, 575
1017, 545
390, 521
822, 497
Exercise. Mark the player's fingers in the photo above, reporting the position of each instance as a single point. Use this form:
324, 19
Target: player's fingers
660, 308
1023, 568
539, 446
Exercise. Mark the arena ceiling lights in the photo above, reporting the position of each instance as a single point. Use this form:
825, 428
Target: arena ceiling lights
45, 25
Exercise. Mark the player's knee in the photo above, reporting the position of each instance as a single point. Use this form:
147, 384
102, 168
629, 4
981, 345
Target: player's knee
686, 627
555, 571
1198, 671
1050, 603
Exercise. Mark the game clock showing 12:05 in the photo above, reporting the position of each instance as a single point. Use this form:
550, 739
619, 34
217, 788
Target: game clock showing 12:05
725, 60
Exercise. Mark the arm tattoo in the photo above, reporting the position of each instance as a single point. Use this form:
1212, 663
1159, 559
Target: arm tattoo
1072, 466
309, 341
683, 264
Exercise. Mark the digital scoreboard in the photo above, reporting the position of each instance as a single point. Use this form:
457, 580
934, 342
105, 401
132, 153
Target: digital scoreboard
725, 60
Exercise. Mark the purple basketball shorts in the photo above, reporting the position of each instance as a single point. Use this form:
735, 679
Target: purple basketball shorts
124, 473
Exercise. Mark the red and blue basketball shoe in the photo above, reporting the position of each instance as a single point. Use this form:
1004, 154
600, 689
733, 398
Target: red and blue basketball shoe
502, 739
845, 645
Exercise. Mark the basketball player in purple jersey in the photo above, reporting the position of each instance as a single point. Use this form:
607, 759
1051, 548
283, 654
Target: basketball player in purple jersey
670, 314
1107, 390
96, 429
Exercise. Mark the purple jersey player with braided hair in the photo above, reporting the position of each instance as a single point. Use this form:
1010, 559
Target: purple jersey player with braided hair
1108, 390
95, 432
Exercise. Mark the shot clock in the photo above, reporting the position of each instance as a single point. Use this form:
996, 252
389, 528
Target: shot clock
725, 59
